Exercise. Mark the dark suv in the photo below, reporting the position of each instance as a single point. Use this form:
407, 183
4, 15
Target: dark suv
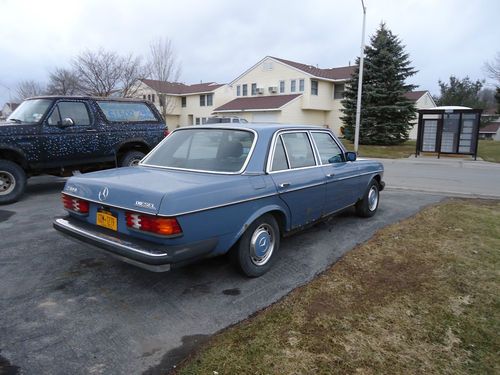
57, 135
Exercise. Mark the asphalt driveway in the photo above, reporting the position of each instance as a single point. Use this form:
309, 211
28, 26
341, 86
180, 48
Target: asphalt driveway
68, 309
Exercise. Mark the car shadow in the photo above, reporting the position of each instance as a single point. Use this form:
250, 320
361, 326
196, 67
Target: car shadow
44, 185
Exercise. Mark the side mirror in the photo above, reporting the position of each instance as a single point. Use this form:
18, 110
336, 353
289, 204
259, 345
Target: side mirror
68, 121
350, 156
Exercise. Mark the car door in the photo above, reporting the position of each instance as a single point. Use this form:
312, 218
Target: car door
299, 181
341, 175
70, 134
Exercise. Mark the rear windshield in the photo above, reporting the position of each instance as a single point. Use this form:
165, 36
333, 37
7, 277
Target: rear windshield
210, 150
126, 112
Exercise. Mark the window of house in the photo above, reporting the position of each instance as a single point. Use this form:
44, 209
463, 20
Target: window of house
202, 100
183, 101
338, 90
245, 90
144, 97
314, 87
153, 98
149, 97
254, 89
238, 90
293, 85
301, 85
282, 87
197, 121
210, 100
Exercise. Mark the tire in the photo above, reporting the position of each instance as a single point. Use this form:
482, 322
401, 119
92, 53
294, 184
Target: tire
255, 252
12, 182
131, 158
368, 205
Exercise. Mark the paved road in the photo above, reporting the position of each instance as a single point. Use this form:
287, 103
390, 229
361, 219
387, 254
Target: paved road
68, 310
447, 176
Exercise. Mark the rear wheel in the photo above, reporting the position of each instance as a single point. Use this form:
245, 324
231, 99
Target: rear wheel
367, 207
131, 159
255, 252
12, 181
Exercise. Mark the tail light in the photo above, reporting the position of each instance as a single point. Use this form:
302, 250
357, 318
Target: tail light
165, 132
163, 226
73, 204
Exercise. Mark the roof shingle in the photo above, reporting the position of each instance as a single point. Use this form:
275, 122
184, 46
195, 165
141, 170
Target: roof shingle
257, 102
343, 72
176, 88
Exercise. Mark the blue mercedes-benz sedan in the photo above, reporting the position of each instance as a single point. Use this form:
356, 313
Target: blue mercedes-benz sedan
208, 190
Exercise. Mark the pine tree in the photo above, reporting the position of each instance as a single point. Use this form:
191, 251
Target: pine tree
385, 111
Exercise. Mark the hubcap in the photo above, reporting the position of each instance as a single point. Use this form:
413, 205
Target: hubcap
134, 162
262, 244
372, 198
7, 183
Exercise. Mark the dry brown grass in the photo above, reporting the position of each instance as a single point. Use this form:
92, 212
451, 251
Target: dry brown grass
422, 296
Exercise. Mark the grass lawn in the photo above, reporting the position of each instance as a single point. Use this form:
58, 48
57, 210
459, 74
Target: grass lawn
421, 297
488, 150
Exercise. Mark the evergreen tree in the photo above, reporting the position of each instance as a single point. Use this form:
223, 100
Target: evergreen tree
385, 111
497, 97
462, 92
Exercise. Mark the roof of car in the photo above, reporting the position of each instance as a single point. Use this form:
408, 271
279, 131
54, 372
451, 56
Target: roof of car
84, 97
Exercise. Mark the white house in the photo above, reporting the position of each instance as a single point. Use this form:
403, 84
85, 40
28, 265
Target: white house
423, 100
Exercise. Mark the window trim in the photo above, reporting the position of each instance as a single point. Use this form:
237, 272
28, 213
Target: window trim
293, 85
284, 86
244, 90
243, 168
317, 87
273, 149
84, 102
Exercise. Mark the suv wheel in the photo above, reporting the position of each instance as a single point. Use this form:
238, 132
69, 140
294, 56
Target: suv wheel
131, 158
12, 182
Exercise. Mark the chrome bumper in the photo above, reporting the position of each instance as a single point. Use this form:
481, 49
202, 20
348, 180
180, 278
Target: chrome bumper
144, 254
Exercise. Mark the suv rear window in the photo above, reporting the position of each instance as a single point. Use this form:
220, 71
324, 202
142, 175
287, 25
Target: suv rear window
126, 112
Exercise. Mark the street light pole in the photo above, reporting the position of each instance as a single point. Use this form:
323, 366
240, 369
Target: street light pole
360, 81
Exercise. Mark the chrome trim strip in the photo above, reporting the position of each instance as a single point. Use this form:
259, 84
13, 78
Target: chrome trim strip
358, 175
284, 191
67, 225
111, 205
143, 162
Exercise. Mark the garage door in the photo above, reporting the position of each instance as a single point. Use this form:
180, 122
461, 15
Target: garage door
265, 117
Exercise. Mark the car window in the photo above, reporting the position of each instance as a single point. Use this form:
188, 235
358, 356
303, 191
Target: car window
30, 111
279, 159
77, 111
328, 149
298, 149
212, 150
126, 112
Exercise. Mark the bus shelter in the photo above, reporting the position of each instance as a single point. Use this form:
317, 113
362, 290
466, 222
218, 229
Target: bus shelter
448, 130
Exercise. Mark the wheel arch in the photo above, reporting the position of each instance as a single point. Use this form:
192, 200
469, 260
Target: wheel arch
279, 213
13, 154
132, 145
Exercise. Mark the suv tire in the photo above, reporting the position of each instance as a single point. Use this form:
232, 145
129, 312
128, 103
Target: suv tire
131, 158
12, 181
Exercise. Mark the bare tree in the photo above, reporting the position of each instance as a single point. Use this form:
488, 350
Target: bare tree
99, 72
492, 68
132, 69
29, 88
63, 82
163, 66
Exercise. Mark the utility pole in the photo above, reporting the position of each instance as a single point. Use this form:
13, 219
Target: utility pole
360, 81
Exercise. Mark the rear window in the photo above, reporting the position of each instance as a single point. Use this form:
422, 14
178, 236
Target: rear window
126, 112
210, 150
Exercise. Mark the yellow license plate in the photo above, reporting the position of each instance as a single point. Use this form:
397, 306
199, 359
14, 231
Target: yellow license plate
107, 220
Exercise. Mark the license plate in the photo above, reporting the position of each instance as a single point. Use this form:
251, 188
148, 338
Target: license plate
107, 220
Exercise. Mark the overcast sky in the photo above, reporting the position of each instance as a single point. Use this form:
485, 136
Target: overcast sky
216, 40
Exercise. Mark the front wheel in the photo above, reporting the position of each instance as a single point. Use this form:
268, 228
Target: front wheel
131, 159
255, 252
12, 181
368, 205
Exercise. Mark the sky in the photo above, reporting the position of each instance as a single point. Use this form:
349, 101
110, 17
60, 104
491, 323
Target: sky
217, 40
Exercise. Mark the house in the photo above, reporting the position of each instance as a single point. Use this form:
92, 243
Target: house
490, 131
185, 104
422, 100
279, 90
272, 90
7, 109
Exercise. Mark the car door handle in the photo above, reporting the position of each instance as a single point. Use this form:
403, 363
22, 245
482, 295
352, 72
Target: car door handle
284, 185
330, 175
